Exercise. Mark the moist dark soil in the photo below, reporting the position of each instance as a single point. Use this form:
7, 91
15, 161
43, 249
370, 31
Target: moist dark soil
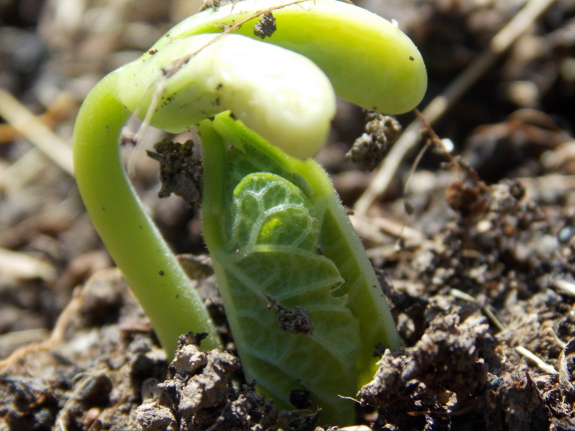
475, 251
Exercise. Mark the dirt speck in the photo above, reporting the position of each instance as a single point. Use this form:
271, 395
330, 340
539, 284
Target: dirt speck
300, 399
296, 321
266, 26
381, 131
180, 173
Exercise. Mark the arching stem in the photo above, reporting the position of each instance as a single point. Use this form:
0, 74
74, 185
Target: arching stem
132, 239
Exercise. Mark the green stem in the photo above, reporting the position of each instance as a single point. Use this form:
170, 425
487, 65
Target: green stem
133, 241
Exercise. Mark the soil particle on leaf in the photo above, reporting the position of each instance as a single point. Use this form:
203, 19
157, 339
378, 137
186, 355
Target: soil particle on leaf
180, 173
300, 399
296, 321
266, 26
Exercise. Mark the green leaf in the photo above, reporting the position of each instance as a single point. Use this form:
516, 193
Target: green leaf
270, 259
284, 250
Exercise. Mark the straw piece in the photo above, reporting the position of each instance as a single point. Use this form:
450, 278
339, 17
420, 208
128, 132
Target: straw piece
34, 131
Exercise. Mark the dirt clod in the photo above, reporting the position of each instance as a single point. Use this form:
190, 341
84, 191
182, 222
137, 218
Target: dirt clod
296, 321
300, 399
151, 416
446, 371
198, 395
266, 26
180, 173
381, 132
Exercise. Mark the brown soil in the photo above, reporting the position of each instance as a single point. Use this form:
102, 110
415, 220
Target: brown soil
476, 256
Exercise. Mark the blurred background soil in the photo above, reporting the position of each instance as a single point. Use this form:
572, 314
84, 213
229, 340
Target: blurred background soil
476, 253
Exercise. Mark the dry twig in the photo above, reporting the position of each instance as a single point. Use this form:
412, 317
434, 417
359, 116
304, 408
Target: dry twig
538, 361
37, 133
55, 113
23, 267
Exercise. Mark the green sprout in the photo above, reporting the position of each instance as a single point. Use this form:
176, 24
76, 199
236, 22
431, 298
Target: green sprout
258, 79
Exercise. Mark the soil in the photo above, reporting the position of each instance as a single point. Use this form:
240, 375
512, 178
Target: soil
476, 254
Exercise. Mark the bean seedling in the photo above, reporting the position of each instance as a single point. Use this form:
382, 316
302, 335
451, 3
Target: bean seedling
304, 305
